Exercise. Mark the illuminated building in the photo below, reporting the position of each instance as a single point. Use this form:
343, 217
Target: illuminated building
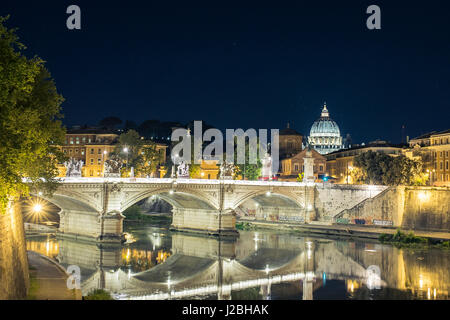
434, 149
290, 142
292, 167
93, 146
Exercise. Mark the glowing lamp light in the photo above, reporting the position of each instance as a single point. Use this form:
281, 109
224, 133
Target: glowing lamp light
125, 150
37, 208
422, 196
268, 193
171, 192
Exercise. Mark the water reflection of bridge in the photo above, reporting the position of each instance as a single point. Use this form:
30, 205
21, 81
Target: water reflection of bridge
199, 266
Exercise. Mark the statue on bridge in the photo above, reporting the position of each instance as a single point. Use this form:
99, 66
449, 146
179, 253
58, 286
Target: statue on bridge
226, 170
267, 167
73, 168
183, 170
112, 167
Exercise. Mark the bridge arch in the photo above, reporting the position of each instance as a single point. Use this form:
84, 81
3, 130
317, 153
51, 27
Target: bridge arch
281, 198
67, 203
184, 198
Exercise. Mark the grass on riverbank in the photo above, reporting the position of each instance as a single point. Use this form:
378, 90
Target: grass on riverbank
34, 284
98, 294
245, 226
134, 214
403, 239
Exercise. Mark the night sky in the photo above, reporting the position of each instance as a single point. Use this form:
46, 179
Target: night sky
247, 64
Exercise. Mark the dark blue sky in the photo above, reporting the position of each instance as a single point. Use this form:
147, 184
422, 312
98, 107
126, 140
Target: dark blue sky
247, 64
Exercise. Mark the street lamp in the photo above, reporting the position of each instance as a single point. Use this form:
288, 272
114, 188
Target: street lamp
126, 151
104, 153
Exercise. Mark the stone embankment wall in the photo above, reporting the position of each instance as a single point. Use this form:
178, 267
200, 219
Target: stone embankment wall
14, 277
330, 200
420, 208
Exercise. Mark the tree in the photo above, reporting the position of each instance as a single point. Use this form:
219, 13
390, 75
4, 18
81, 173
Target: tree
247, 170
380, 168
128, 149
148, 160
30, 127
110, 122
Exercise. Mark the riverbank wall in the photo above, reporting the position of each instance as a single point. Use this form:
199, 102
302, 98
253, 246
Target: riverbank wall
415, 208
14, 276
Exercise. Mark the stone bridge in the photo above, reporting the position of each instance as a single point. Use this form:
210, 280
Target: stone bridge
93, 207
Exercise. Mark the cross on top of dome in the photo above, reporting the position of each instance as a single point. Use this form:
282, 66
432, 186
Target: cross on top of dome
325, 112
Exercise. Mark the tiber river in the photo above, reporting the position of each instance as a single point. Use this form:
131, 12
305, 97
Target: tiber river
158, 264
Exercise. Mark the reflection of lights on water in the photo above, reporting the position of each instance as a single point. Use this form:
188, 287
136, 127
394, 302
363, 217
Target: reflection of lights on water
370, 250
352, 287
127, 258
256, 239
434, 293
309, 251
429, 294
420, 281
267, 269
373, 277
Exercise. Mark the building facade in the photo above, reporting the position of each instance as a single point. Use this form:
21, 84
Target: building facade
93, 146
293, 166
290, 142
325, 136
434, 149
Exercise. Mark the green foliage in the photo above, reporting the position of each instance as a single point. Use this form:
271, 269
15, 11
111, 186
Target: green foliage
401, 237
380, 168
98, 294
148, 160
34, 285
30, 127
142, 155
244, 226
194, 170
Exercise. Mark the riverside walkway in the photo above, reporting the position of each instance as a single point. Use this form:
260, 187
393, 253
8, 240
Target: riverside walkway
372, 232
51, 280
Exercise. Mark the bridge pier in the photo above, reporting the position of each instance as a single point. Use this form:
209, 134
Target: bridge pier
205, 221
92, 226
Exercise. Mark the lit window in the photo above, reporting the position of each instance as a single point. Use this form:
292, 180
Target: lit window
99, 161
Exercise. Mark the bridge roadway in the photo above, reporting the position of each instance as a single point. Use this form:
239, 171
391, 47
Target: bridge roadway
92, 208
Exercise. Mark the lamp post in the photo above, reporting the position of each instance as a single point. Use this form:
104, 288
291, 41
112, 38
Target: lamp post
126, 151
104, 153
